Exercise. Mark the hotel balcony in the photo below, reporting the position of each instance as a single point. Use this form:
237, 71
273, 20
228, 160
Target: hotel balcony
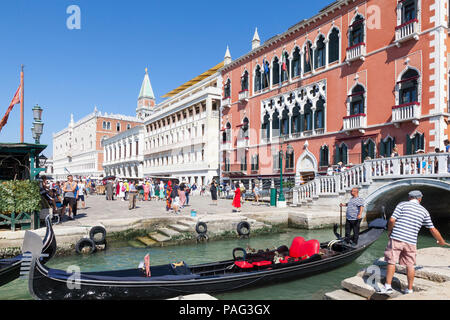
243, 95
406, 31
226, 146
243, 142
235, 169
356, 52
406, 112
226, 102
355, 122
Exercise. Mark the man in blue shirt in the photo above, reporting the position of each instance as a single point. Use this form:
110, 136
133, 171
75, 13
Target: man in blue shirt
355, 207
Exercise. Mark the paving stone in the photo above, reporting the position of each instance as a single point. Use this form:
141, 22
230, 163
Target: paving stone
146, 240
168, 232
180, 227
136, 244
342, 295
159, 237
358, 286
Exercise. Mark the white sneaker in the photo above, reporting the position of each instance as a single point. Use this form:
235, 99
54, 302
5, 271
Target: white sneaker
384, 290
407, 291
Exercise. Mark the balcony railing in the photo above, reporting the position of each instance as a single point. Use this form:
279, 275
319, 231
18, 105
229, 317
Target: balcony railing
243, 142
406, 31
243, 95
355, 122
226, 102
225, 146
406, 112
237, 168
355, 52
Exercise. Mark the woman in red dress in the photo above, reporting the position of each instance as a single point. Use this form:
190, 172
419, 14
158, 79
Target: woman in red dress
237, 198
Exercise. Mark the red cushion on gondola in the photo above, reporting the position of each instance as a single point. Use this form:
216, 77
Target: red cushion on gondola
262, 263
294, 250
243, 264
309, 248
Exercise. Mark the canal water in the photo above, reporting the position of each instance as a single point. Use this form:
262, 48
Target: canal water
121, 256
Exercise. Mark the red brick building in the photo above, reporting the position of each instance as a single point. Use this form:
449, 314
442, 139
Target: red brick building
352, 82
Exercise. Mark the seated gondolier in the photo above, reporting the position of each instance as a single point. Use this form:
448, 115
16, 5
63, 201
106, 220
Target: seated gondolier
403, 227
355, 207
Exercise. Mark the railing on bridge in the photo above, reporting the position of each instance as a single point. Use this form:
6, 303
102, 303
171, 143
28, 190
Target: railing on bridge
434, 165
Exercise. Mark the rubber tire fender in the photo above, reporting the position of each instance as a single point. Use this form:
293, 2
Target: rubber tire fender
241, 227
202, 237
85, 242
200, 226
94, 231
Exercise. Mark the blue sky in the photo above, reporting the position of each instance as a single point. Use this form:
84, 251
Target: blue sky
102, 64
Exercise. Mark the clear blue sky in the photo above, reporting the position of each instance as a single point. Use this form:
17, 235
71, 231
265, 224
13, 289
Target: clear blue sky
71, 71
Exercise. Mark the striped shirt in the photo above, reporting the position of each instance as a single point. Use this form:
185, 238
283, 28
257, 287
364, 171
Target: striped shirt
409, 217
353, 208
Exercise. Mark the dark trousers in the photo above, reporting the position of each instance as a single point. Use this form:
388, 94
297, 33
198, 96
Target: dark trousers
352, 225
187, 198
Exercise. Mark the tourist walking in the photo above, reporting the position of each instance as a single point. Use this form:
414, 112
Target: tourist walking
122, 191
403, 227
109, 190
187, 191
213, 190
82, 193
146, 191
69, 188
182, 194
161, 190
355, 207
237, 198
132, 194
256, 192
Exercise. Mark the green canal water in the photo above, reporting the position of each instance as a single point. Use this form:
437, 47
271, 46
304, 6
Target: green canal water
120, 256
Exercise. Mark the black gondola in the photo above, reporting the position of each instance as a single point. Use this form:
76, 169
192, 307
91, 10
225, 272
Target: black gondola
10, 268
173, 280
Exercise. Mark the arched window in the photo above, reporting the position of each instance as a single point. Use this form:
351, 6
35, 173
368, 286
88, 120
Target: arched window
307, 58
357, 100
258, 79
255, 163
409, 87
319, 115
415, 143
226, 135
308, 120
266, 74
285, 121
275, 71
265, 127
409, 10
341, 154
244, 129
333, 46
386, 147
296, 63
356, 31
290, 158
244, 81
227, 89
324, 156
367, 150
275, 123
296, 119
320, 53
285, 67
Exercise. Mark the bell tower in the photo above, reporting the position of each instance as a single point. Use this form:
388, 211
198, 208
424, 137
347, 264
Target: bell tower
146, 99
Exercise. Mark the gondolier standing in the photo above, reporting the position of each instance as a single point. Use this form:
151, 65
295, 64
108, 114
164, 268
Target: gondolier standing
403, 227
355, 207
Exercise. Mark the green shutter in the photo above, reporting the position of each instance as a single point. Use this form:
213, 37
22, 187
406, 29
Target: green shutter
422, 142
382, 149
408, 145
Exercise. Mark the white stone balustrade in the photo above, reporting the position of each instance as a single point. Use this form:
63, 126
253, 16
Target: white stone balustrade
243, 95
356, 52
433, 165
407, 31
355, 122
406, 112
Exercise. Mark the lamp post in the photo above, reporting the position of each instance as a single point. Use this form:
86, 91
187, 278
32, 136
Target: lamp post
38, 125
281, 203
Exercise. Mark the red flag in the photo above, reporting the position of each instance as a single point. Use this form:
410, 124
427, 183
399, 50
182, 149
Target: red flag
14, 101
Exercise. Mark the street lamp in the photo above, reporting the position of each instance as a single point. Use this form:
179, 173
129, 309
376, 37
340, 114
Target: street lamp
281, 199
38, 125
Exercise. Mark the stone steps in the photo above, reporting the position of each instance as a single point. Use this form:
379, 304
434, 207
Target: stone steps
146, 241
342, 294
168, 232
158, 237
180, 227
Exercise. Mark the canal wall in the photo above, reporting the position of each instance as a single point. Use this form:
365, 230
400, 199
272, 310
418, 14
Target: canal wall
432, 279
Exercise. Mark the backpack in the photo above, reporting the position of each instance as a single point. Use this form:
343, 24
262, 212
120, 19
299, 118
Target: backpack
123, 188
174, 193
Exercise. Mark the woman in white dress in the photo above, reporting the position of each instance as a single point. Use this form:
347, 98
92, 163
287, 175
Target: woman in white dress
161, 191
121, 191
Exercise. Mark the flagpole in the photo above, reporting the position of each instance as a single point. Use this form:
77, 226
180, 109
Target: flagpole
21, 105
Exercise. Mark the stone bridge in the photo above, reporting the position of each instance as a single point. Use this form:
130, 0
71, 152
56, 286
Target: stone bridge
383, 183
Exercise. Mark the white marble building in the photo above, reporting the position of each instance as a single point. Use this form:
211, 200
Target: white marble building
181, 138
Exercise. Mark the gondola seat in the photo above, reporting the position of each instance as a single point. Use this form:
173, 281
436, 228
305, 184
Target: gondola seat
243, 264
262, 263
295, 249
308, 249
